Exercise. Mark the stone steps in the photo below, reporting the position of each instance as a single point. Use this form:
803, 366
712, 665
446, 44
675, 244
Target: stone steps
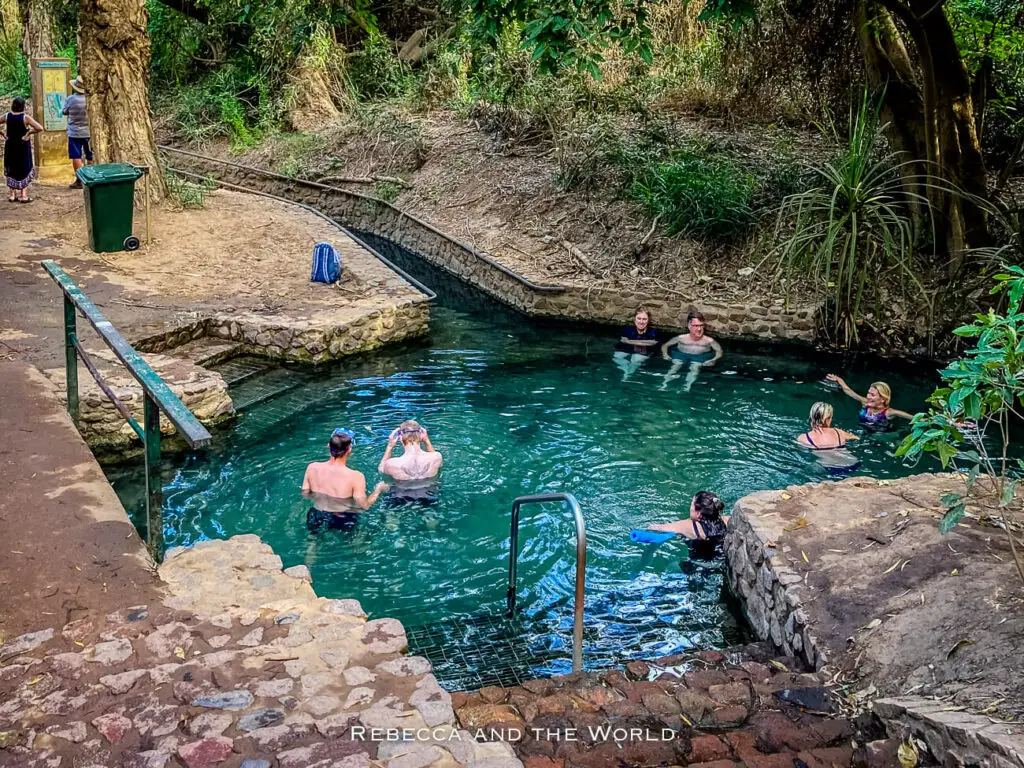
206, 351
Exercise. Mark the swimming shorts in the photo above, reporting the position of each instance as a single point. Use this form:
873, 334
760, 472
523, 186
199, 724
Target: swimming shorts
400, 497
317, 520
688, 357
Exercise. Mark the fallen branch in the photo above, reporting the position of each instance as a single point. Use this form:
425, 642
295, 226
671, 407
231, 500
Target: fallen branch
365, 180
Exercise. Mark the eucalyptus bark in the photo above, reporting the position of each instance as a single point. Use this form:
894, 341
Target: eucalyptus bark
10, 20
37, 28
114, 53
930, 112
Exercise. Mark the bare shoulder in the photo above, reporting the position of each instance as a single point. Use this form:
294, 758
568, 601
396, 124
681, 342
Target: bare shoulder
726, 519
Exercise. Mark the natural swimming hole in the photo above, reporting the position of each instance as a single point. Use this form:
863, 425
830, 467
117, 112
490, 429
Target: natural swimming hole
520, 407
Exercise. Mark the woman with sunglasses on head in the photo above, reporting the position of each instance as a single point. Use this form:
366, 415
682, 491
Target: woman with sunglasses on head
337, 492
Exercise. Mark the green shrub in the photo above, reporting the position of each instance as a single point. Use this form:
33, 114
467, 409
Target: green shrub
14, 78
376, 72
386, 191
694, 194
188, 194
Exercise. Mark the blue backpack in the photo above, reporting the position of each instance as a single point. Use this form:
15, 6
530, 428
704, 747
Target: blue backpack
326, 264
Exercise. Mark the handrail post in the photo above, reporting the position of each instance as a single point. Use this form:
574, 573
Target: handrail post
154, 487
71, 357
581, 565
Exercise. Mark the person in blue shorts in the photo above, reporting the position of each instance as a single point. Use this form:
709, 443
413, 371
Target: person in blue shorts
636, 344
79, 149
692, 348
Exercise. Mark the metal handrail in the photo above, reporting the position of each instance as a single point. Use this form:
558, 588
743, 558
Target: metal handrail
581, 564
537, 287
157, 396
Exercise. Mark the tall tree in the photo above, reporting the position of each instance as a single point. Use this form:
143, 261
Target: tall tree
10, 20
113, 49
910, 50
37, 28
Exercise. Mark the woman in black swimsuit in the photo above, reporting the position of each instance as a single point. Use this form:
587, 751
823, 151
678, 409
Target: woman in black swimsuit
705, 527
829, 442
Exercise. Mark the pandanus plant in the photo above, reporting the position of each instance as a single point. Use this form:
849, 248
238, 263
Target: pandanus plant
854, 228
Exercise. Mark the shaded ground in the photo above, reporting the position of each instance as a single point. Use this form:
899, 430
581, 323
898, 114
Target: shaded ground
241, 253
67, 548
903, 609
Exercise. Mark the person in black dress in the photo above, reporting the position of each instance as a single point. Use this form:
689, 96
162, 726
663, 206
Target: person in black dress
18, 151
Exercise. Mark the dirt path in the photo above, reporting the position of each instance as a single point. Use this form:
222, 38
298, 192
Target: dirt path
240, 253
68, 549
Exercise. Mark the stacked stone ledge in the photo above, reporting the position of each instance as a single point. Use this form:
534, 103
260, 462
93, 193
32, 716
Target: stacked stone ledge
759, 574
103, 427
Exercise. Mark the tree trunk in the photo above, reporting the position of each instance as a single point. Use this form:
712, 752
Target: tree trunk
309, 90
889, 68
37, 35
928, 103
113, 48
957, 144
10, 20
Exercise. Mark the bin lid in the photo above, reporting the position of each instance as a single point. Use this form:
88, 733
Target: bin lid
109, 173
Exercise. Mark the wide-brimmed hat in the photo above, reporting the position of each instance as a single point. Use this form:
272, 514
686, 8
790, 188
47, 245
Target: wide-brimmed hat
77, 85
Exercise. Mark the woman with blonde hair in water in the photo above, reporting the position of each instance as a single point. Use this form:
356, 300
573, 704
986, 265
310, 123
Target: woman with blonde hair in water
876, 413
828, 442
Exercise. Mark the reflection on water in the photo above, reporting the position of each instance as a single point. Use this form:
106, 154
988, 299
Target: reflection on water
518, 408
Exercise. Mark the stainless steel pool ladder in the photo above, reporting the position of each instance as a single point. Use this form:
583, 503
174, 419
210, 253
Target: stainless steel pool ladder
581, 564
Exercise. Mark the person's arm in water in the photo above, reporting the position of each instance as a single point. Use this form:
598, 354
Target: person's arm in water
897, 412
667, 345
392, 442
846, 388
848, 435
359, 492
717, 348
307, 488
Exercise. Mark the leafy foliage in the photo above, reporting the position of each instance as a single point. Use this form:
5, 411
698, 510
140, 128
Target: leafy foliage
188, 194
702, 195
976, 407
852, 227
14, 79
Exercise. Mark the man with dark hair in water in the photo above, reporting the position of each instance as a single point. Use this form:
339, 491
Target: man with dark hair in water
338, 493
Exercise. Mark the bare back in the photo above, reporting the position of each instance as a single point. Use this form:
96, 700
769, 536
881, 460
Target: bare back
328, 481
414, 465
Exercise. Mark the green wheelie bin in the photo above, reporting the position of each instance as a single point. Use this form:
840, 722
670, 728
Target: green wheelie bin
110, 205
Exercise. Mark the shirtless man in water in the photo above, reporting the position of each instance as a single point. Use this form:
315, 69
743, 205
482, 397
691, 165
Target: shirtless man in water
338, 493
695, 348
415, 470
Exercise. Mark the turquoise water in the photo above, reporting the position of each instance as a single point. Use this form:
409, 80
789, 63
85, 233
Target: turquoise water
519, 408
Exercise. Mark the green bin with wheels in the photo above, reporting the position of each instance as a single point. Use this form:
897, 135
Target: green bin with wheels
110, 205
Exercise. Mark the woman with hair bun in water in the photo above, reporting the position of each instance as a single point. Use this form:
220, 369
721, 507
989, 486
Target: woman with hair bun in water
705, 527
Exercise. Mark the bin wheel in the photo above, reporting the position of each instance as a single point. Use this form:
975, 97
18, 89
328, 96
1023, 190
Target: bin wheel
131, 243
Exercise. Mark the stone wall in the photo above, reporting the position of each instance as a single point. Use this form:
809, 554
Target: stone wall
316, 341
103, 427
606, 305
769, 589
957, 738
